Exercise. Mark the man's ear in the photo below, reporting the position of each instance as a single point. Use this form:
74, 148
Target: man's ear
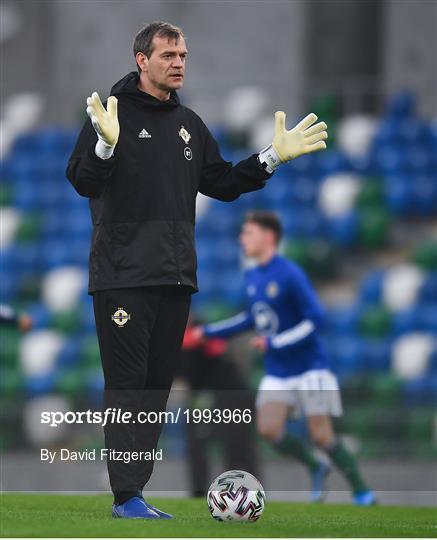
142, 61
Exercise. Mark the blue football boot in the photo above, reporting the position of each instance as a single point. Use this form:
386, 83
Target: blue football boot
134, 508
365, 498
161, 514
318, 478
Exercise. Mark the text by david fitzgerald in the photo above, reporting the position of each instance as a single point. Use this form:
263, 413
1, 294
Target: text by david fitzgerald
64, 454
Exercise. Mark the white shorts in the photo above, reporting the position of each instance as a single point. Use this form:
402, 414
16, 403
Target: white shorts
315, 392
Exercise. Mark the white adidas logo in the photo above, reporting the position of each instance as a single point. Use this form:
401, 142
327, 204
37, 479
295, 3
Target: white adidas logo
143, 134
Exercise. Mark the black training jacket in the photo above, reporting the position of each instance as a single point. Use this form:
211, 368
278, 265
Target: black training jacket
142, 199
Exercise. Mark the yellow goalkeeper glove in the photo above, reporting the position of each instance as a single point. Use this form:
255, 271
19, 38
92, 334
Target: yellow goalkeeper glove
105, 123
288, 145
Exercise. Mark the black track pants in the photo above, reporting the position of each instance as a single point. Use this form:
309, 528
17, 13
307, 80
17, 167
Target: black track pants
140, 332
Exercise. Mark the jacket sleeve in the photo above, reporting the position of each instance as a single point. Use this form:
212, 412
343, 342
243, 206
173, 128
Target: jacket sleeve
220, 180
88, 173
301, 294
229, 327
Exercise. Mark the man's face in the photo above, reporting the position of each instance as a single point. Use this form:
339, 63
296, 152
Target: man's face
254, 239
165, 68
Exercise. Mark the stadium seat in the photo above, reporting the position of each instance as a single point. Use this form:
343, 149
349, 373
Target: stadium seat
390, 159
398, 193
400, 105
347, 356
343, 321
406, 321
428, 290
420, 391
424, 194
37, 385
371, 287
330, 162
343, 230
69, 355
376, 354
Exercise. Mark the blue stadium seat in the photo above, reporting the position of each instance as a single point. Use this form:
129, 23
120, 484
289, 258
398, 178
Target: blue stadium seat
87, 322
412, 131
330, 162
304, 165
27, 144
343, 321
371, 287
78, 223
51, 167
346, 355
418, 159
9, 285
52, 226
428, 291
220, 220
276, 192
69, 355
386, 134
227, 252
40, 315
94, 385
376, 354
420, 318
343, 230
39, 385
79, 251
363, 165
398, 193
18, 169
389, 159
427, 317
401, 105
28, 256
27, 196
432, 371
20, 258
51, 194
406, 321
303, 190
55, 253
424, 194
311, 222
422, 391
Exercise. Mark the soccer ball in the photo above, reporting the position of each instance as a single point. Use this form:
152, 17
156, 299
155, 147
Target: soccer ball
236, 496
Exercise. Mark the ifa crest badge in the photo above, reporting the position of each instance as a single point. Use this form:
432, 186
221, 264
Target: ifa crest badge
185, 136
120, 317
272, 289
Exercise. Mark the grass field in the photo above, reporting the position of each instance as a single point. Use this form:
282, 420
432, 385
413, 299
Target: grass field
77, 515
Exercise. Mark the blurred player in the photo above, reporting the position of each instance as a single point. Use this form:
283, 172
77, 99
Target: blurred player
287, 315
209, 371
9, 317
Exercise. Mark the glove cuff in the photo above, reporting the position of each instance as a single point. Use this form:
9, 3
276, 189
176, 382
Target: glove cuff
269, 158
103, 150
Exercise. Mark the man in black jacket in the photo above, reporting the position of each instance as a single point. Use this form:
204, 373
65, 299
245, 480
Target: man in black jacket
141, 163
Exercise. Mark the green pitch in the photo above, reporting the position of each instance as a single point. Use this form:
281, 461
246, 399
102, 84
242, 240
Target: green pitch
77, 515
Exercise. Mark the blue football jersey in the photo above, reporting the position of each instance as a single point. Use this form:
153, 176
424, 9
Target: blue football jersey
283, 306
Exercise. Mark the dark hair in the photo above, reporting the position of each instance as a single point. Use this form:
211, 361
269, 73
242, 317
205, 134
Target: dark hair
266, 220
143, 40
